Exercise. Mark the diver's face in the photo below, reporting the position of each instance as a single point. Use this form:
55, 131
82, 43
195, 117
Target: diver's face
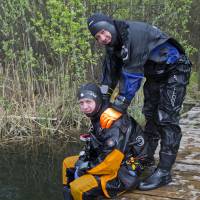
103, 37
87, 105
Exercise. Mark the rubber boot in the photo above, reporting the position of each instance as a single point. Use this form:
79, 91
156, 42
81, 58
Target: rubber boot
159, 178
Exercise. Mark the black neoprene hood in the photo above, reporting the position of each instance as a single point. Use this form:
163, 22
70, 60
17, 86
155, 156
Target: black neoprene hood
91, 91
99, 21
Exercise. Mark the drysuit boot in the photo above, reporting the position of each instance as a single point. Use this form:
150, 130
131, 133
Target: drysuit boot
159, 178
67, 193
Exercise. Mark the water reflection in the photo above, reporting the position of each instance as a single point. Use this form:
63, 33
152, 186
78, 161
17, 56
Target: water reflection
33, 170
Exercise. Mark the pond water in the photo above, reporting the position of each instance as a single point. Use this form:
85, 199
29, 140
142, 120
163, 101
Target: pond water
32, 171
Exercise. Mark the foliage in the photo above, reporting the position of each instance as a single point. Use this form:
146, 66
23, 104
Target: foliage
170, 16
46, 52
192, 89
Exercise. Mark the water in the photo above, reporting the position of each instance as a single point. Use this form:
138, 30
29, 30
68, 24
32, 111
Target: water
32, 171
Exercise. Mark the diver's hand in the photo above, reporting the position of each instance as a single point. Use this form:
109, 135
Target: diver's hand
81, 169
108, 117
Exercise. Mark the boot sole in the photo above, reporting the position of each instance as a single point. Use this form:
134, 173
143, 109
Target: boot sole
158, 186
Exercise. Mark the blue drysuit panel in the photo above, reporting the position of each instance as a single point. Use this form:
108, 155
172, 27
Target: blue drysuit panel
131, 83
165, 53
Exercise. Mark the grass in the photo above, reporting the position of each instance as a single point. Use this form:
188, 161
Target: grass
54, 114
192, 91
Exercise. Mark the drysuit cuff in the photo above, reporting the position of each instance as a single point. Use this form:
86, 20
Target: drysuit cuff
120, 104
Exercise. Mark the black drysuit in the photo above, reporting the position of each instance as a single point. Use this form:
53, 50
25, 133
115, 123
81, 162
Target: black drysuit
144, 51
111, 162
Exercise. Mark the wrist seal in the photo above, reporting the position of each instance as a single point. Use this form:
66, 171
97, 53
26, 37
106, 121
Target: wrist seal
121, 104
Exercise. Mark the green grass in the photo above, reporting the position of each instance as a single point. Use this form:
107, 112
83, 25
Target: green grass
192, 90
